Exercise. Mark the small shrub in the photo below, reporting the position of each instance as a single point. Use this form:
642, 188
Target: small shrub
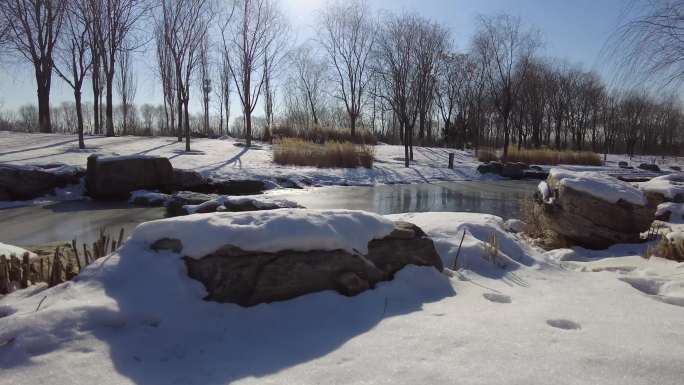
298, 152
544, 156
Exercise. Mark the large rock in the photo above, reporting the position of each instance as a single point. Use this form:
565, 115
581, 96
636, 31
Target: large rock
589, 221
248, 278
117, 177
649, 167
28, 182
238, 187
190, 180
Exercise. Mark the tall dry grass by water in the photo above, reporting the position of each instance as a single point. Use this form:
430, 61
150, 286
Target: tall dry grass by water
323, 135
545, 156
332, 154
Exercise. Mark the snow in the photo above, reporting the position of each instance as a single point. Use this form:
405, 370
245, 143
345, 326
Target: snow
668, 185
222, 159
150, 196
599, 185
9, 250
269, 231
544, 190
262, 202
135, 317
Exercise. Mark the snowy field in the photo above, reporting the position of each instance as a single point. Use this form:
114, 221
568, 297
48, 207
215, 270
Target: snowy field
569, 316
220, 158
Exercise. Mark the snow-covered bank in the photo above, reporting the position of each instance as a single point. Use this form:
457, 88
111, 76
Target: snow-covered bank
135, 317
222, 159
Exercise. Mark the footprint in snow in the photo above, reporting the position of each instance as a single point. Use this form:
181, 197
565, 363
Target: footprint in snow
498, 298
564, 324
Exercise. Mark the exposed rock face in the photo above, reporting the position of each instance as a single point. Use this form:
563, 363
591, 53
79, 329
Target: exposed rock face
649, 167
116, 178
28, 182
190, 180
592, 222
248, 277
623, 164
238, 187
513, 170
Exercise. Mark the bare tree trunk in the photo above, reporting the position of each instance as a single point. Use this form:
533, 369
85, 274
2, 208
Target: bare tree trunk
79, 117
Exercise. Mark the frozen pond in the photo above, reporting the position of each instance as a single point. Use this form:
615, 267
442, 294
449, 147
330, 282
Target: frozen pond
82, 220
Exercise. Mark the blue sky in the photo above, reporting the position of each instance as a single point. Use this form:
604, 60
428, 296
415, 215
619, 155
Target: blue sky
574, 30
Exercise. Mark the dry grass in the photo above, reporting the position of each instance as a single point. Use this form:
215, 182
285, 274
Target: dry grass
673, 250
543, 156
323, 135
298, 152
487, 154
537, 230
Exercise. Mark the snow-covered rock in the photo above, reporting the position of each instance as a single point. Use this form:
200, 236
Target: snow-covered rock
666, 188
595, 210
597, 185
148, 198
268, 231
234, 275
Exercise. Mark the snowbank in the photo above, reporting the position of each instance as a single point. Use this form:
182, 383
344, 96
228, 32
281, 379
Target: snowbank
668, 185
446, 229
269, 231
136, 318
8, 250
599, 185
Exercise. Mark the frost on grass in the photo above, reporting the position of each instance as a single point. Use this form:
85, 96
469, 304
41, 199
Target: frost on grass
598, 185
269, 231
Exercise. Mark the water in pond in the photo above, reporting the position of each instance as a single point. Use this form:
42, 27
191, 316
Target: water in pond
82, 220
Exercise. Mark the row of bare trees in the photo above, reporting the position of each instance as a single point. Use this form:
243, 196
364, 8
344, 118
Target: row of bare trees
397, 75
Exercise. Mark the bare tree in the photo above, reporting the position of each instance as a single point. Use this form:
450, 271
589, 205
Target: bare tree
166, 73
449, 92
248, 39
309, 79
432, 45
398, 70
649, 45
506, 49
223, 92
185, 24
205, 81
347, 35
126, 87
34, 27
73, 58
118, 19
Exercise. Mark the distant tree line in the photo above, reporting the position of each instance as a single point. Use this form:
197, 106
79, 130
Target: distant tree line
395, 75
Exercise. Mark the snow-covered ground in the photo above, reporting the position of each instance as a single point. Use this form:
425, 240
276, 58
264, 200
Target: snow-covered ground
569, 316
221, 158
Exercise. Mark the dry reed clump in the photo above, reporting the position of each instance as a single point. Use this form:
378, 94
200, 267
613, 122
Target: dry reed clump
544, 156
537, 230
321, 135
487, 154
490, 251
672, 249
299, 152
